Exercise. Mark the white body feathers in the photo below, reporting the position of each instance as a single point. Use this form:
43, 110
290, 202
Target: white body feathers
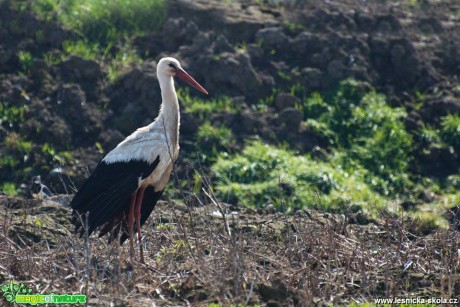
159, 139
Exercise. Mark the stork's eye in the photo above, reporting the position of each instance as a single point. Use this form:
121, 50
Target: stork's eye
172, 66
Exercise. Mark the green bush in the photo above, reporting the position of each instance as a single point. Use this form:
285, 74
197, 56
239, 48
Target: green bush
450, 131
9, 188
213, 140
11, 115
264, 174
380, 142
430, 136
357, 121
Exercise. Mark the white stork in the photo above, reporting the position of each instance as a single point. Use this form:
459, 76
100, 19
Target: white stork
129, 180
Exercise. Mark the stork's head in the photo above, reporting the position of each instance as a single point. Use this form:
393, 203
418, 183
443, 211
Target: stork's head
171, 67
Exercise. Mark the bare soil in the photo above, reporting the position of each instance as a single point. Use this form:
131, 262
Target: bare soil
309, 258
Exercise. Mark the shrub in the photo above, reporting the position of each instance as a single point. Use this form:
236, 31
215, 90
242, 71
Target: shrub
358, 121
264, 174
380, 142
450, 131
213, 140
9, 188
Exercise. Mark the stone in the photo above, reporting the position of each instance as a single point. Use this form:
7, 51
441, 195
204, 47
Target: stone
290, 118
286, 100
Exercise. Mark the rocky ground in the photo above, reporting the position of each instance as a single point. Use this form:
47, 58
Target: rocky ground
70, 113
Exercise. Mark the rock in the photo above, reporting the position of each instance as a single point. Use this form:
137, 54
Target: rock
134, 99
306, 42
319, 153
270, 209
427, 196
232, 73
412, 121
438, 162
335, 70
434, 109
311, 77
290, 118
388, 23
5, 55
286, 100
271, 38
78, 69
31, 221
173, 33
236, 21
397, 54
364, 21
81, 117
221, 44
188, 123
256, 54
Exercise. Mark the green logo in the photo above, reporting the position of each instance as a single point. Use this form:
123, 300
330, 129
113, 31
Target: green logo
21, 294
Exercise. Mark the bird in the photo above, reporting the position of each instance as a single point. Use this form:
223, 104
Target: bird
129, 180
38, 190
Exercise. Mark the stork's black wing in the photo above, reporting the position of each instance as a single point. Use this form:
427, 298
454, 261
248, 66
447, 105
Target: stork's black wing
107, 191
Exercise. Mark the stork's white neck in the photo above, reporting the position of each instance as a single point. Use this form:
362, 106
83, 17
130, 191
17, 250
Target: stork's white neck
169, 116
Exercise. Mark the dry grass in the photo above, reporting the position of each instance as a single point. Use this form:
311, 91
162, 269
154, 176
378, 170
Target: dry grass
306, 258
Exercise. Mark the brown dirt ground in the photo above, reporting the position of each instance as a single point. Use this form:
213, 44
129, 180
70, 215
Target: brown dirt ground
263, 258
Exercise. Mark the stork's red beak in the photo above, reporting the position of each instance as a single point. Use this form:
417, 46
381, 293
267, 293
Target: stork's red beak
187, 78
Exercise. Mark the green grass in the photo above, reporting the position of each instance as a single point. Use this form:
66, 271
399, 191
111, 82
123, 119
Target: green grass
212, 141
15, 142
82, 48
358, 122
125, 58
102, 21
105, 29
203, 108
9, 188
11, 115
368, 164
25, 61
450, 131
264, 174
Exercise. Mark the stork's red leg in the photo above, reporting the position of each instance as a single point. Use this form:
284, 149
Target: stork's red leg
131, 223
137, 216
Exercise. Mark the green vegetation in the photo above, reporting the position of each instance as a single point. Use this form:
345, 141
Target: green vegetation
11, 115
15, 142
82, 49
368, 166
105, 29
9, 188
104, 22
14, 153
25, 61
203, 108
357, 121
62, 157
213, 140
126, 57
264, 174
450, 131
